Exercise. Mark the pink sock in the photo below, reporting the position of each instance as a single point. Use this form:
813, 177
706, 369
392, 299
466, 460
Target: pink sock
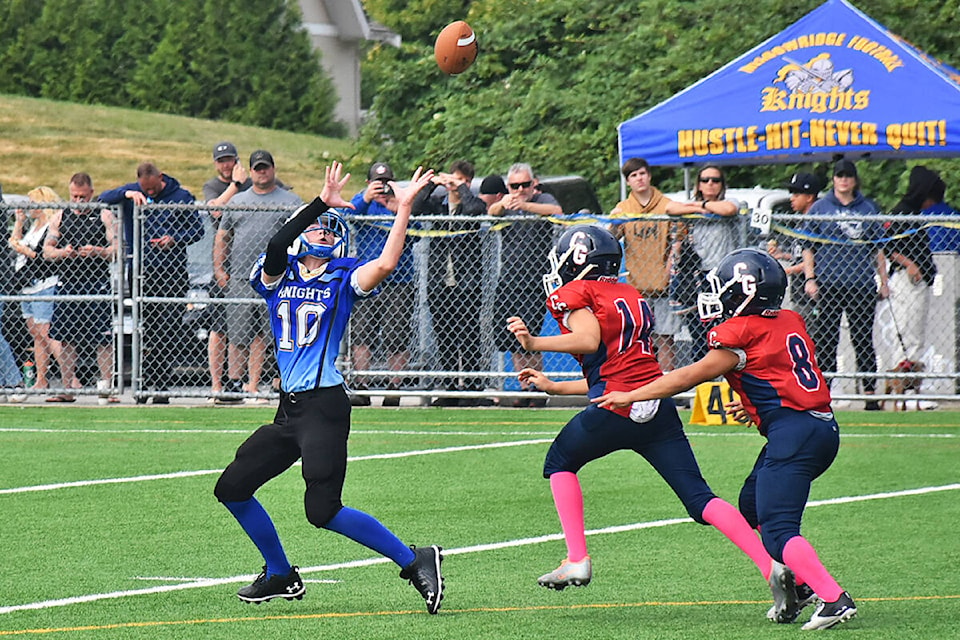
800, 556
569, 502
731, 523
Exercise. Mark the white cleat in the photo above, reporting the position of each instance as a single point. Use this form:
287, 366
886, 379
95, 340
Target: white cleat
568, 574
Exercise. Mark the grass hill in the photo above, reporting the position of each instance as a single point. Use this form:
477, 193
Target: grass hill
45, 142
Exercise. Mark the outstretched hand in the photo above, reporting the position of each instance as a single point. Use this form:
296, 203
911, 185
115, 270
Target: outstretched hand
534, 378
333, 187
405, 195
518, 328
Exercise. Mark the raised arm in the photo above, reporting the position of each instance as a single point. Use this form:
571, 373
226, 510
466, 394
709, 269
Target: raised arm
372, 273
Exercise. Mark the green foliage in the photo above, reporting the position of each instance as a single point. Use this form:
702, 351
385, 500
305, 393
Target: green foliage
239, 62
554, 79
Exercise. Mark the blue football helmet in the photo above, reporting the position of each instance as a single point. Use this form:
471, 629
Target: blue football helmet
327, 221
746, 282
583, 252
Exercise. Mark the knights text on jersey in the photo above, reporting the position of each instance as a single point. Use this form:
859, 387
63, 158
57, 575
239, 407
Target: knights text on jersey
309, 313
780, 367
625, 359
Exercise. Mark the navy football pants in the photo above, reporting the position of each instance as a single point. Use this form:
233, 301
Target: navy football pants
799, 448
595, 432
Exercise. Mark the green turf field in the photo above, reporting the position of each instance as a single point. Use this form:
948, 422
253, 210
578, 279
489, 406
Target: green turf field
109, 529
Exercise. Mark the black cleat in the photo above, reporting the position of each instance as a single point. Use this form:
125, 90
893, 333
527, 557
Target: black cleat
424, 574
829, 614
288, 586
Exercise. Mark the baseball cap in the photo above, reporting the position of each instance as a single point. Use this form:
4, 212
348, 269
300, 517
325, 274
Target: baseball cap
224, 150
845, 166
803, 183
259, 157
380, 171
493, 184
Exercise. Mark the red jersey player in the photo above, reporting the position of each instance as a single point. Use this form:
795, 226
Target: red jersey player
606, 326
768, 358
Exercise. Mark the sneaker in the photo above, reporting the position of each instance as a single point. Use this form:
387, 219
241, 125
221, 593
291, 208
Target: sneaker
872, 405
783, 586
231, 386
13, 395
424, 574
390, 401
829, 614
359, 401
263, 588
568, 574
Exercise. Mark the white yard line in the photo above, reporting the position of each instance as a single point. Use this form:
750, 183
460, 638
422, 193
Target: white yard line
211, 582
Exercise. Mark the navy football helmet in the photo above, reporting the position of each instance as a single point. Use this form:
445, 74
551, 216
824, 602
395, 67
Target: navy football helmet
746, 282
584, 252
327, 221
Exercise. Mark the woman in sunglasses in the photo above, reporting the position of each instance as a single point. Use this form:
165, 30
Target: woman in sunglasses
706, 241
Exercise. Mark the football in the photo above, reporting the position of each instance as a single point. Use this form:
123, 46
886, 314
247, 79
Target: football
456, 48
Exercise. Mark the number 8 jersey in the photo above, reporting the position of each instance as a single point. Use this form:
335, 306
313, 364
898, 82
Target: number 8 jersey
777, 366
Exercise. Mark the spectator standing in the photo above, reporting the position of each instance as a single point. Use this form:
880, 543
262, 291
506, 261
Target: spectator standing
386, 320
455, 275
166, 233
310, 295
841, 276
238, 242
647, 248
231, 179
911, 272
37, 278
804, 190
492, 189
701, 248
942, 239
82, 243
524, 245
11, 380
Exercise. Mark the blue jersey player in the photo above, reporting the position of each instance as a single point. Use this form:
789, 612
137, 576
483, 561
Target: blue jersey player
310, 291
768, 358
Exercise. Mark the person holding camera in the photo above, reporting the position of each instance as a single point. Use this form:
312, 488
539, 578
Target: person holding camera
384, 321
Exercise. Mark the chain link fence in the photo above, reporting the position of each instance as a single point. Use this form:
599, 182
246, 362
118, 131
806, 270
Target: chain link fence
150, 320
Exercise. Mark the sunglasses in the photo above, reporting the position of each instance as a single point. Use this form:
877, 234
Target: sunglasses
712, 179
520, 185
843, 174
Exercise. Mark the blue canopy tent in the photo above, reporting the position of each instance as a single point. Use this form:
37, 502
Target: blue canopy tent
835, 82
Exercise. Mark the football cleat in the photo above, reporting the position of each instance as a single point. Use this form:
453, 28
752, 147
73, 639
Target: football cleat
424, 574
287, 586
805, 596
783, 586
829, 614
568, 574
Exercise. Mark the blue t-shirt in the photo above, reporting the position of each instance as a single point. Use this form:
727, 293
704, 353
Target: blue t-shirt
369, 238
308, 316
943, 240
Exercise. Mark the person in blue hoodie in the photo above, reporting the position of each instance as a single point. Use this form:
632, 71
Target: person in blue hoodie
841, 262
165, 233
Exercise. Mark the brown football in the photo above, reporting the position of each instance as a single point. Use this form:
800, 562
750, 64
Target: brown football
456, 48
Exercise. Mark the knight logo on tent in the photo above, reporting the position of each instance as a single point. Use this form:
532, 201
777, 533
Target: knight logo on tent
814, 86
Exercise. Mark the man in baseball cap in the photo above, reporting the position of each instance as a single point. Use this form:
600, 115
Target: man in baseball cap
224, 150
380, 171
260, 158
805, 183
